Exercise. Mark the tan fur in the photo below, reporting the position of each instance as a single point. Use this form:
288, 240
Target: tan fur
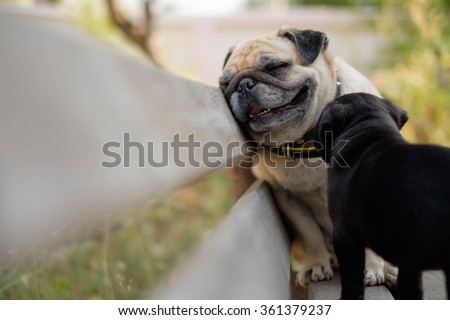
300, 191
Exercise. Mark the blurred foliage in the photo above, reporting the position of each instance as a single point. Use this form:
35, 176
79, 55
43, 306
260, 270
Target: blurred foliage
128, 255
332, 3
93, 16
416, 63
337, 3
417, 77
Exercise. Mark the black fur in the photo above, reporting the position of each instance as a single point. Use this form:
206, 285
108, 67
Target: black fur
394, 197
309, 43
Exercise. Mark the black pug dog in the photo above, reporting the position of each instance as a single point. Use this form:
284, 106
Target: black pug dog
384, 193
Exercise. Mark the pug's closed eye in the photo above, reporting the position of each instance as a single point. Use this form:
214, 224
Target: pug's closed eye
277, 66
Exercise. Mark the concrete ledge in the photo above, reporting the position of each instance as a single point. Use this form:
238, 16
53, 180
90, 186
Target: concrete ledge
434, 285
63, 95
331, 290
246, 257
433, 288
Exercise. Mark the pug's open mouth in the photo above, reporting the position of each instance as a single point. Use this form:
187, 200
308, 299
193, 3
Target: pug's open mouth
260, 118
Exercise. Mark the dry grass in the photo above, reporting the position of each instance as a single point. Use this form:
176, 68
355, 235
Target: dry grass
127, 254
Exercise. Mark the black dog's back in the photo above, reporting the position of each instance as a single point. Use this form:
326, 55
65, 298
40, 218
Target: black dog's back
405, 192
393, 197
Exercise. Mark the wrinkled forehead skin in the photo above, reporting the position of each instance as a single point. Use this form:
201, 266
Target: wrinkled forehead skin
246, 54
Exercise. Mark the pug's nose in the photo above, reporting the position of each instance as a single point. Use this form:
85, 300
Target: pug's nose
246, 85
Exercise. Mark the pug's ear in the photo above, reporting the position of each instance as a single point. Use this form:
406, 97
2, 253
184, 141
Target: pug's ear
309, 43
227, 57
399, 115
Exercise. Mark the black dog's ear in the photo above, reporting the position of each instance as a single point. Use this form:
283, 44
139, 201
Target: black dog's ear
399, 115
309, 43
320, 139
227, 57
324, 132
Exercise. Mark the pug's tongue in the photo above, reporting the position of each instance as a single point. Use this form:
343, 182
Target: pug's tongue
254, 111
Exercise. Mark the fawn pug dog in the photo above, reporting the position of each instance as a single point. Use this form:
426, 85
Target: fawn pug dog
384, 193
276, 86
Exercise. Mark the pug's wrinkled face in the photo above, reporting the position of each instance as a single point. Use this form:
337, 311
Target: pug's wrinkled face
279, 83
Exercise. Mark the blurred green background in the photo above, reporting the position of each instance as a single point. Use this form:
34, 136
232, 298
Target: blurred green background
134, 251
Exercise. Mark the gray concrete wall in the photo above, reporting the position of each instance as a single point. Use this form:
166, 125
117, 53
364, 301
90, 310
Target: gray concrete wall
63, 95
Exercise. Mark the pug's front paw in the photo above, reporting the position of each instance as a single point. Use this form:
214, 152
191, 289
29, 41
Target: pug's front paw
314, 273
